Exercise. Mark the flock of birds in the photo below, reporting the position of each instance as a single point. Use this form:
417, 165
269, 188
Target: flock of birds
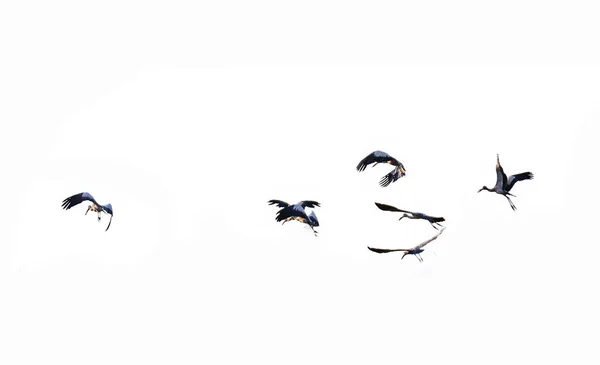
297, 212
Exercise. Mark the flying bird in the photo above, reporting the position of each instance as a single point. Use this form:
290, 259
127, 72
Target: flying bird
94, 207
289, 212
412, 215
409, 251
504, 184
382, 157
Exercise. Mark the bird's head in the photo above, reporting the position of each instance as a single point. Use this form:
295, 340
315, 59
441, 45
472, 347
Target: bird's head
403, 216
312, 219
483, 188
404, 254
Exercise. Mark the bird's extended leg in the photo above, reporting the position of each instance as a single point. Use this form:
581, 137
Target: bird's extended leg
315, 232
511, 203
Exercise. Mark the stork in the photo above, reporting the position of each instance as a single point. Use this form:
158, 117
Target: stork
412, 215
94, 207
504, 184
409, 251
382, 157
289, 212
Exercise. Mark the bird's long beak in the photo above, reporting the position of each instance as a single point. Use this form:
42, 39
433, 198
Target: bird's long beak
375, 164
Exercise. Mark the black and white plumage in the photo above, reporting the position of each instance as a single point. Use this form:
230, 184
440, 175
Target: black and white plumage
504, 184
94, 207
412, 215
377, 157
409, 251
296, 212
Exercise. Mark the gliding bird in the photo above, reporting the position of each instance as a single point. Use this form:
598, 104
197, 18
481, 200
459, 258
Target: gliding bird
504, 184
382, 157
412, 215
296, 212
409, 251
94, 207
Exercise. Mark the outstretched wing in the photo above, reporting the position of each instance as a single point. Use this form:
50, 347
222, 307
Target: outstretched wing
422, 244
109, 222
385, 250
394, 175
313, 220
389, 208
434, 219
500, 175
72, 201
512, 180
376, 156
279, 203
399, 165
309, 204
295, 210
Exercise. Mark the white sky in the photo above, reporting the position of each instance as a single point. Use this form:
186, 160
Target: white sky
188, 117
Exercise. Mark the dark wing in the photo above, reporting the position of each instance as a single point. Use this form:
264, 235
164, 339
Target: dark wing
385, 250
376, 156
394, 175
390, 208
279, 203
399, 165
500, 175
435, 219
309, 204
109, 222
108, 210
295, 210
512, 180
422, 244
72, 201
313, 220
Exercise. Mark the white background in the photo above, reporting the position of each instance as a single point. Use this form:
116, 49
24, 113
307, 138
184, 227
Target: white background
188, 117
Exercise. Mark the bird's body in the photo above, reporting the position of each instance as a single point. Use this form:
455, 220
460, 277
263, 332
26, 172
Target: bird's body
377, 157
94, 206
412, 215
504, 184
416, 251
296, 212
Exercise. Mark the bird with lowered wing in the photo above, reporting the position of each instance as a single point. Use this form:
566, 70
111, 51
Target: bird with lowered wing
77, 199
289, 212
378, 157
